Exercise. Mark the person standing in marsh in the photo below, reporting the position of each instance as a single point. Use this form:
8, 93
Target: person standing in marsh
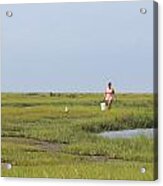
109, 95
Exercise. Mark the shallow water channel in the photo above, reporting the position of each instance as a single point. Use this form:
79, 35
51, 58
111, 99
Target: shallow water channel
129, 133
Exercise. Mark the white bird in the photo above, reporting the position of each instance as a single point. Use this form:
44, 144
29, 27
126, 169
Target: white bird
66, 109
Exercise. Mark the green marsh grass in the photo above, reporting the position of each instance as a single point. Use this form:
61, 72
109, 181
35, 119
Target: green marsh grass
40, 139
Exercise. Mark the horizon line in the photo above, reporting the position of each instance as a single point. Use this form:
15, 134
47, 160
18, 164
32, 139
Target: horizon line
70, 92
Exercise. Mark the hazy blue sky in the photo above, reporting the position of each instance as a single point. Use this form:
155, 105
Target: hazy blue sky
77, 46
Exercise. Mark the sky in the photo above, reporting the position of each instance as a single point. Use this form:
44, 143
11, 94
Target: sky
77, 47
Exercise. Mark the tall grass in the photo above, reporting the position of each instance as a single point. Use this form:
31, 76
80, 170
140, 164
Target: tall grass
40, 139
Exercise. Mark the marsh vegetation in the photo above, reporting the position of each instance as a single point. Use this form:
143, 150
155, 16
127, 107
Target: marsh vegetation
40, 139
